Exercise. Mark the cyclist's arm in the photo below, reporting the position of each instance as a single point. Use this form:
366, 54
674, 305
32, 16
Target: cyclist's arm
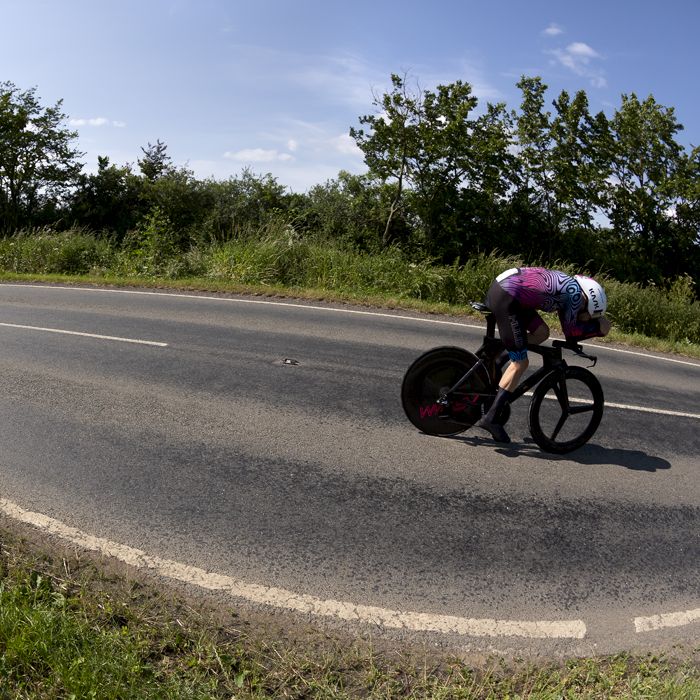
578, 330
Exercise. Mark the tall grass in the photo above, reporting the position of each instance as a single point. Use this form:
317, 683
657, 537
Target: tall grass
278, 255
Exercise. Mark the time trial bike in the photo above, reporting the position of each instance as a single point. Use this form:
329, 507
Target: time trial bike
448, 389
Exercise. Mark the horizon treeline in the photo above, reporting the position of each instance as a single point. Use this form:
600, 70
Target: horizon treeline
445, 182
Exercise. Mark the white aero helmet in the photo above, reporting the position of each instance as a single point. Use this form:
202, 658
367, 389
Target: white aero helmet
597, 301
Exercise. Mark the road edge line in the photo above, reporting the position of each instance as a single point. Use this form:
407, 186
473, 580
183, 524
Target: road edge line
300, 603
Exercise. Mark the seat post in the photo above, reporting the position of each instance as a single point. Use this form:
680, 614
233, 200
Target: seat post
490, 325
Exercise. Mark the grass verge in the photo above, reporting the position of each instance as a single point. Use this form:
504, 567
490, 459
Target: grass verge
376, 300
69, 629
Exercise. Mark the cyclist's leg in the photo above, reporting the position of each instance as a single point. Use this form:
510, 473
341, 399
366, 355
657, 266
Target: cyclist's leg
537, 329
512, 321
509, 319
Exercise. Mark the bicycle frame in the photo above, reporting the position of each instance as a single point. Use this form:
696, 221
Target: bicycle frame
492, 347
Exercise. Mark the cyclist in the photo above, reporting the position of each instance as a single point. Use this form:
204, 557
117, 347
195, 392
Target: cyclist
514, 298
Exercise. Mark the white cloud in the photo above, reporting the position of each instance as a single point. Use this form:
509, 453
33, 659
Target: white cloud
293, 145
553, 30
581, 50
258, 155
345, 144
100, 121
578, 58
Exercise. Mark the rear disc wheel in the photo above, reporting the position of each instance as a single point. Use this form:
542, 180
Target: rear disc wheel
430, 377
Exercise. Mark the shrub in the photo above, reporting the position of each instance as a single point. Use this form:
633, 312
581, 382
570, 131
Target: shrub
653, 312
46, 252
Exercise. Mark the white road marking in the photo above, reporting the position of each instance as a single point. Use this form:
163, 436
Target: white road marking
332, 309
603, 346
254, 301
657, 622
277, 597
627, 407
87, 335
650, 410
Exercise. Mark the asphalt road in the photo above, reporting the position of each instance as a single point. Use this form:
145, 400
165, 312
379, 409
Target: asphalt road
207, 449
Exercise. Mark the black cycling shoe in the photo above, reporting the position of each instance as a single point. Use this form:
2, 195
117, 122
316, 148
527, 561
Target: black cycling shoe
497, 431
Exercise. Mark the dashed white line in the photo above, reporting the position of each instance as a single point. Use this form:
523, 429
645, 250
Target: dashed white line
306, 604
627, 407
87, 335
651, 410
657, 622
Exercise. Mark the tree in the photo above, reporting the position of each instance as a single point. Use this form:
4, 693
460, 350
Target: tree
427, 142
653, 183
110, 201
562, 167
155, 162
37, 162
393, 141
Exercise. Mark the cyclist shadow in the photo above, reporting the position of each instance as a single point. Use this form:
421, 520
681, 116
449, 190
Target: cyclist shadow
592, 454
589, 454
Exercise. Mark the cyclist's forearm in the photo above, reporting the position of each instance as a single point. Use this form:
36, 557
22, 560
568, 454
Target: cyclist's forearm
583, 331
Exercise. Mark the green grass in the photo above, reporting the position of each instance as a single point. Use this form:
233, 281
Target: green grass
70, 630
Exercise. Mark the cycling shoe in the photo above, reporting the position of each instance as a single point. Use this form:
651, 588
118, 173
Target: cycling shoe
497, 431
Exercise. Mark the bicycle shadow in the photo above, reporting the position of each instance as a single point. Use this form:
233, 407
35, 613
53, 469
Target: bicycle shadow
590, 454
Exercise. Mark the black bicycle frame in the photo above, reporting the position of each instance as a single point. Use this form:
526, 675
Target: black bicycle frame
492, 348
553, 362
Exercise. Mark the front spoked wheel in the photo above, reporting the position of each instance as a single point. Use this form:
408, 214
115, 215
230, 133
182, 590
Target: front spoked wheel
566, 410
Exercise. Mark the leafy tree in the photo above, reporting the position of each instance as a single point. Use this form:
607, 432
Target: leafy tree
37, 162
562, 167
654, 182
687, 213
109, 201
428, 143
393, 141
350, 208
242, 204
155, 162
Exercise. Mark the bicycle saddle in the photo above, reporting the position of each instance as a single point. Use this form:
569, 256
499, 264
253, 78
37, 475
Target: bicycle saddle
480, 307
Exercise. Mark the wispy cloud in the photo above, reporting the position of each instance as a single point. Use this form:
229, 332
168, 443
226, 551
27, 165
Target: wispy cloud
344, 144
578, 57
100, 121
345, 80
553, 30
258, 155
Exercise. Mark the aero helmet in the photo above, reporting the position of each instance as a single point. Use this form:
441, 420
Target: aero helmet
597, 301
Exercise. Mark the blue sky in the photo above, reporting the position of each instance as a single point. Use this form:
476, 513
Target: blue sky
275, 85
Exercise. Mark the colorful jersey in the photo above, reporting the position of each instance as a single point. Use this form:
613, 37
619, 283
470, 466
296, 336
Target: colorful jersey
549, 290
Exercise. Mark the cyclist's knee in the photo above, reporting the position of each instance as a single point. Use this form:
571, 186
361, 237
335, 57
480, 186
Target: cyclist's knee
521, 365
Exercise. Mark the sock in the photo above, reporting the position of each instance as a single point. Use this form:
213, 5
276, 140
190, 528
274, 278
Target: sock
501, 400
